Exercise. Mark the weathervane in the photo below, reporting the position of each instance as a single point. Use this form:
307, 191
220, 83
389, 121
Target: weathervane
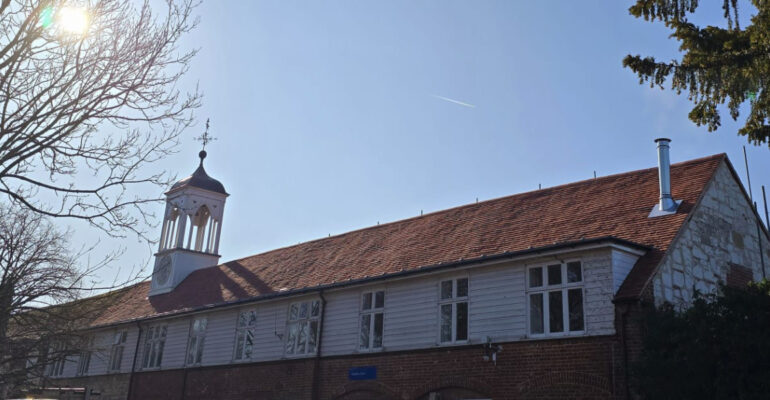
205, 138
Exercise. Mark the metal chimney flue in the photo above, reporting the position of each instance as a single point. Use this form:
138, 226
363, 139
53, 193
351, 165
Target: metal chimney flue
667, 204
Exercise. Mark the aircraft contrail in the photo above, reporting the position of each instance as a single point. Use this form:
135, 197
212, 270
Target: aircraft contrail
453, 101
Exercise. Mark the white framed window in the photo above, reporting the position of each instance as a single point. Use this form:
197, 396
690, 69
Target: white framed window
154, 342
57, 357
555, 299
244, 334
372, 320
196, 341
84, 361
453, 310
302, 327
116, 351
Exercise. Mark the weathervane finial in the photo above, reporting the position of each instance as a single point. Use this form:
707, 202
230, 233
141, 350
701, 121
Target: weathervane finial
205, 139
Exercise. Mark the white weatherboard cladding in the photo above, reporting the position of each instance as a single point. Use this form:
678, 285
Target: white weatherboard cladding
599, 290
268, 336
411, 314
497, 309
722, 230
622, 262
100, 357
177, 334
128, 353
220, 336
340, 335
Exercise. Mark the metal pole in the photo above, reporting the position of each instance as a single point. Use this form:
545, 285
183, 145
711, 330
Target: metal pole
764, 198
759, 240
748, 177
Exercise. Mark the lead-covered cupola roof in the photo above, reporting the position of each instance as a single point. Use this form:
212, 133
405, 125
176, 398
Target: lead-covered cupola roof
200, 179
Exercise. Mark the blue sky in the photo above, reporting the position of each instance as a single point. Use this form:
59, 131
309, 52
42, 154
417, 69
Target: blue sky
329, 114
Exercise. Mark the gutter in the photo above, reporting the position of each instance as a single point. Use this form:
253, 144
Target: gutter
404, 273
133, 362
317, 362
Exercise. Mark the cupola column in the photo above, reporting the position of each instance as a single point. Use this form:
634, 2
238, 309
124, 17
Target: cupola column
181, 230
216, 242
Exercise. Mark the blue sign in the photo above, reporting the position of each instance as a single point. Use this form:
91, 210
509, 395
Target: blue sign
362, 373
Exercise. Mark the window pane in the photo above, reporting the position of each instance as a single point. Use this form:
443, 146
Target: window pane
367, 304
312, 332
291, 339
462, 321
315, 309
377, 341
161, 344
239, 345
203, 323
555, 311
303, 310
293, 311
365, 324
446, 323
252, 318
379, 299
575, 298
554, 274
536, 313
191, 350
302, 338
199, 355
249, 344
574, 272
446, 290
462, 287
151, 355
536, 277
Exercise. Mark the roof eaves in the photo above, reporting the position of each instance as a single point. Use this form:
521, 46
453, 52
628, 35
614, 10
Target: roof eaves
415, 271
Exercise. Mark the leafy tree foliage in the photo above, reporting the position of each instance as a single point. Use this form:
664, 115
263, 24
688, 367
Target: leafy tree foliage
717, 349
719, 65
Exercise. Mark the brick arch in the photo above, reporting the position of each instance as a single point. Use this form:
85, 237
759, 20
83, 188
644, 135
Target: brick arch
577, 385
452, 382
365, 391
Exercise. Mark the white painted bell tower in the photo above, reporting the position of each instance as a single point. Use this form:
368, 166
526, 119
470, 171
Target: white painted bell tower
192, 225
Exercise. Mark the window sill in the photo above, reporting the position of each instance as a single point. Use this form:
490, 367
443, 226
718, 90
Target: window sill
455, 343
306, 355
367, 351
541, 336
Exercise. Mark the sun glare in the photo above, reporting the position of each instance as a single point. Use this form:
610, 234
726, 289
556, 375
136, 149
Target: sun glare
73, 20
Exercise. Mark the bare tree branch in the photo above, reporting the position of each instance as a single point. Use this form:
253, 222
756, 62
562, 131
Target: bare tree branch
42, 285
93, 107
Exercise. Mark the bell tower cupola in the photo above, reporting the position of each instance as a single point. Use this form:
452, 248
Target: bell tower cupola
192, 225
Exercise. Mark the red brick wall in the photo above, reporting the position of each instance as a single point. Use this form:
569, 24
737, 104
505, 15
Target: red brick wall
577, 368
739, 276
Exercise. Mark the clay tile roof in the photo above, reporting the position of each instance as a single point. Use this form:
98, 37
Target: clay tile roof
612, 206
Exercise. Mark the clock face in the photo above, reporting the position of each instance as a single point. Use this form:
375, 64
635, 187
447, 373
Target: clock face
162, 271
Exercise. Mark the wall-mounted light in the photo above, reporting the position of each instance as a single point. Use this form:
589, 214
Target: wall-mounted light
491, 350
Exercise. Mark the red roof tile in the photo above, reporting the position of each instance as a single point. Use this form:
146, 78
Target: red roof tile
616, 206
